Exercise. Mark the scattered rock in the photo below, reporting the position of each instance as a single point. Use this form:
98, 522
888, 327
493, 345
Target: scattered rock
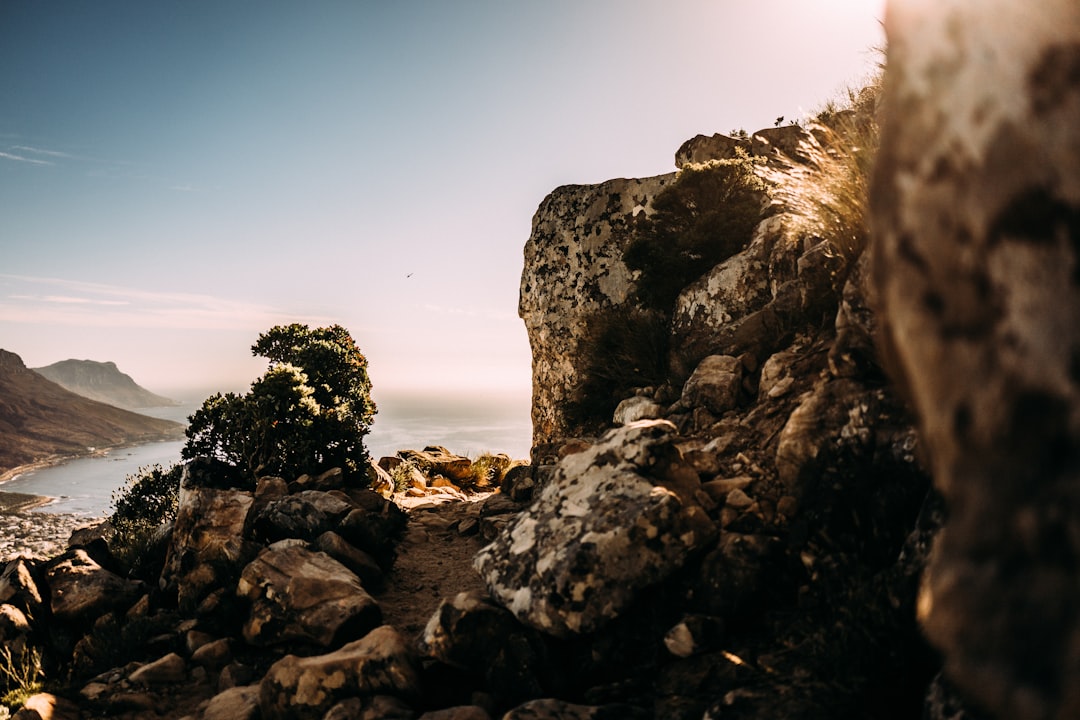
380, 663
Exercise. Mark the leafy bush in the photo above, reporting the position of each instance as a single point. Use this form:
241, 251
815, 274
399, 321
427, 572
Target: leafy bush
621, 349
707, 215
308, 413
147, 501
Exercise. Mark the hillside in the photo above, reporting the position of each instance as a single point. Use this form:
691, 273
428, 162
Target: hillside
40, 420
102, 381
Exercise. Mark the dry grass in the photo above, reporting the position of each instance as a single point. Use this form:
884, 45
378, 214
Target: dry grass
826, 196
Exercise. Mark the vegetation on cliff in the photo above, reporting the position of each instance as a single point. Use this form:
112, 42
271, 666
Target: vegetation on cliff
707, 215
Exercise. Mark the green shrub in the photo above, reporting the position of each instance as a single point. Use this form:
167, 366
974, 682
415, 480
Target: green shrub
148, 500
707, 215
307, 414
621, 349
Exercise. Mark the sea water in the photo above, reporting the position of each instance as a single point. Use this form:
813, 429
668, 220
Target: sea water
467, 425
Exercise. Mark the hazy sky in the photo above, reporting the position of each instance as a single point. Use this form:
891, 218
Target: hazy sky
178, 176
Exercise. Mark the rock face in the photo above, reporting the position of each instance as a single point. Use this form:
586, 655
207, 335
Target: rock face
602, 529
573, 269
976, 207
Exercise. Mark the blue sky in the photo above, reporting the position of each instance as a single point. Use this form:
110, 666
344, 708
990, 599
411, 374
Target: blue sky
178, 176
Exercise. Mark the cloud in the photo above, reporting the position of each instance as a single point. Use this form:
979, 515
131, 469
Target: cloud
20, 158
57, 302
40, 151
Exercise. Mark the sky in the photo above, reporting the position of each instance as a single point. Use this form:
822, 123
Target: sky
178, 176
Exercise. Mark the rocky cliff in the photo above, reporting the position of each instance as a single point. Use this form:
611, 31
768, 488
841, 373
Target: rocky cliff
102, 381
39, 420
573, 269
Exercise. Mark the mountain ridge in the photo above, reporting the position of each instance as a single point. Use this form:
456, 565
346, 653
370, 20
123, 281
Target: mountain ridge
40, 421
102, 381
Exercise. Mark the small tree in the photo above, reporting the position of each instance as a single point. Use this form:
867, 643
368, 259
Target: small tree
308, 413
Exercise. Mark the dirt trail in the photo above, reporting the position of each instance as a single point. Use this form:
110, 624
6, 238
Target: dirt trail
434, 561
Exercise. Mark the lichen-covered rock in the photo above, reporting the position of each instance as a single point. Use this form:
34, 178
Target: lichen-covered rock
80, 589
208, 547
297, 595
602, 529
976, 208
302, 688
731, 290
573, 269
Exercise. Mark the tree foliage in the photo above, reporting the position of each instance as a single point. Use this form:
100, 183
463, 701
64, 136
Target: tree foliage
309, 412
707, 215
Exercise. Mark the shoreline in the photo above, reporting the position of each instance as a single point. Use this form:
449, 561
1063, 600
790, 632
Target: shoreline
12, 503
54, 460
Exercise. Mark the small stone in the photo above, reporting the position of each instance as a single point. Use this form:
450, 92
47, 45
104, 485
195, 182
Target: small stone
214, 655
195, 639
719, 488
237, 703
167, 670
739, 500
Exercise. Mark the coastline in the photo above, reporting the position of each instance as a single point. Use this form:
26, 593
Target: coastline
54, 460
12, 503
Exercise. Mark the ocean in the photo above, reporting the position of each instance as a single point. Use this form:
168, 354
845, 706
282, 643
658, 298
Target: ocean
466, 424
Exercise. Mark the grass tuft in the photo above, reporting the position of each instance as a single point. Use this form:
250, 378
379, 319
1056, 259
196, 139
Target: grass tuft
826, 195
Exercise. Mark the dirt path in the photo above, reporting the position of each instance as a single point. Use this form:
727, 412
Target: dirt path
434, 562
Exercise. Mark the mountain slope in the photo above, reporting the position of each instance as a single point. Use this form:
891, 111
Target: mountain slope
101, 381
40, 420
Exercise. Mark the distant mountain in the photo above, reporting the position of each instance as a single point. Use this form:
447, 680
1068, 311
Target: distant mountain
39, 420
102, 381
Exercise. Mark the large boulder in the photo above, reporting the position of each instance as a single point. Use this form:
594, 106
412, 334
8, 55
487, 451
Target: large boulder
301, 596
297, 688
80, 590
608, 524
573, 270
976, 213
306, 515
208, 547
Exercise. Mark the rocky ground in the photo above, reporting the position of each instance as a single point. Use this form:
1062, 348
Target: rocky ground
32, 533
